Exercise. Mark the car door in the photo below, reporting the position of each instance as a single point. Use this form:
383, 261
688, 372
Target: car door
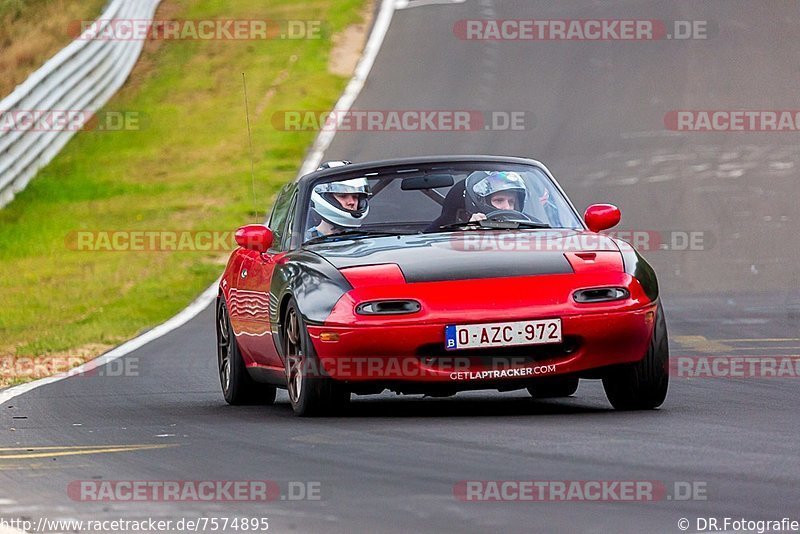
255, 280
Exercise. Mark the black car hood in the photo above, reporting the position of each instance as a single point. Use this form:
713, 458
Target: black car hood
461, 255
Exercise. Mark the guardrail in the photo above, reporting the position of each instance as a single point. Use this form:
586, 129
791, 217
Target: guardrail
81, 77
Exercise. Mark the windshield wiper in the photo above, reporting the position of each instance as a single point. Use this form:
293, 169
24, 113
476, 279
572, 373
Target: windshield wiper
496, 225
457, 225
348, 234
530, 224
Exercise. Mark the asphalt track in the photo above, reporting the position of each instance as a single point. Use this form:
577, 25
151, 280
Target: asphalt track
392, 463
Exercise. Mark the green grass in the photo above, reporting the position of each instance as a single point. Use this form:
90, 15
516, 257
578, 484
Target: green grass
187, 168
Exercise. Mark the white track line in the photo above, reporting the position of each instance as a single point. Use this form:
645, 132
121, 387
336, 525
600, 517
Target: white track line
310, 164
408, 4
353, 89
189, 313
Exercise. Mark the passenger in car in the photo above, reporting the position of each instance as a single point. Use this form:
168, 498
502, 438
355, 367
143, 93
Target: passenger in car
479, 194
494, 191
340, 206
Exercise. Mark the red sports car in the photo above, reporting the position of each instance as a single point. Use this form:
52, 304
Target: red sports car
435, 275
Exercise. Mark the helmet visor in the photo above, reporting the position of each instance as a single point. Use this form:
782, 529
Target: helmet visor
499, 181
356, 186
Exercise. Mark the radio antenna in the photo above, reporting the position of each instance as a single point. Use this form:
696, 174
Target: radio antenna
250, 141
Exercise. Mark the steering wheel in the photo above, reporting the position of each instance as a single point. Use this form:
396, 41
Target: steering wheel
508, 215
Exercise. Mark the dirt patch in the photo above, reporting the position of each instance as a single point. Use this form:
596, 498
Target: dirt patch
279, 80
348, 45
19, 369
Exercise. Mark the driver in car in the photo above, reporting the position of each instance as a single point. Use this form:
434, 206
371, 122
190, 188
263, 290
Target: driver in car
494, 191
340, 206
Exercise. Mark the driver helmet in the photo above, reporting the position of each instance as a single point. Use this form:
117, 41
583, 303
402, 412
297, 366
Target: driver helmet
481, 185
324, 202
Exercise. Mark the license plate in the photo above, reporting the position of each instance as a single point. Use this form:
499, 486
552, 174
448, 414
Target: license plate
474, 336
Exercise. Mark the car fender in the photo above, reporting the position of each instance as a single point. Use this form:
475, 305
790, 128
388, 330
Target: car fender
639, 268
314, 283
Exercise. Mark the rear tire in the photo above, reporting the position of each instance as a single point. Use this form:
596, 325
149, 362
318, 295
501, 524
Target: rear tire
311, 392
642, 385
554, 388
237, 386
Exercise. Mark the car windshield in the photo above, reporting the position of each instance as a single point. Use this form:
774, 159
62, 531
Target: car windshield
436, 199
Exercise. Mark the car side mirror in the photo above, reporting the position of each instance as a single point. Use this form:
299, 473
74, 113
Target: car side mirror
254, 237
600, 217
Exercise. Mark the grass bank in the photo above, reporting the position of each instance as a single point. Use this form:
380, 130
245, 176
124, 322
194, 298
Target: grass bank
182, 165
32, 31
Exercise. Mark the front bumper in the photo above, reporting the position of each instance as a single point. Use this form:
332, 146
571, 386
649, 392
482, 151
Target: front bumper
410, 349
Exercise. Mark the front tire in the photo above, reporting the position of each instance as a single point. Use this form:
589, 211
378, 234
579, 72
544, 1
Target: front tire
237, 386
642, 385
311, 393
